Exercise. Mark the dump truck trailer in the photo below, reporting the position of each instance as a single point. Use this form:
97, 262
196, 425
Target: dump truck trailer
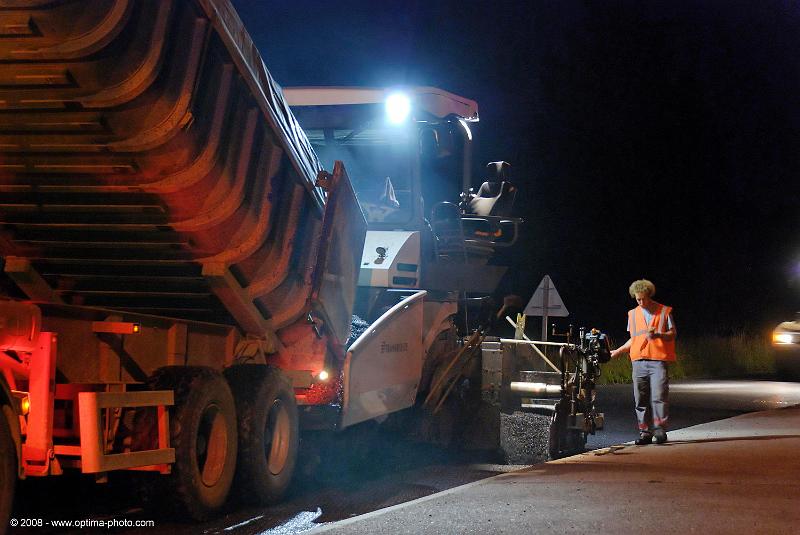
165, 222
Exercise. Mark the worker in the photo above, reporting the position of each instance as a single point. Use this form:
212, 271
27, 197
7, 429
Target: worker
652, 348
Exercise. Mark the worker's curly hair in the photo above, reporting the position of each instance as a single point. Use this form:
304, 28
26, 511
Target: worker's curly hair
642, 286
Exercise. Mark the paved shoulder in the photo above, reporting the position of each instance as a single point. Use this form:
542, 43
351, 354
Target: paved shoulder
726, 476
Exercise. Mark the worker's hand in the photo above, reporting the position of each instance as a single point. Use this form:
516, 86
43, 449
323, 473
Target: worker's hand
652, 334
615, 353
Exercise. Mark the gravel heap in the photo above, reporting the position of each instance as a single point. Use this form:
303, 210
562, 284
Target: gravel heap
524, 436
357, 328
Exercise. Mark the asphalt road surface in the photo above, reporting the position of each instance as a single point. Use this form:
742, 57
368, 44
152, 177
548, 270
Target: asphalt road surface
386, 472
692, 403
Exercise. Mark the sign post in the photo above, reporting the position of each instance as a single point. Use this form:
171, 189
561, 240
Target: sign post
546, 302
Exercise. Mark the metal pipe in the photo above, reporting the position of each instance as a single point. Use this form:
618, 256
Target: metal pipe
535, 342
535, 388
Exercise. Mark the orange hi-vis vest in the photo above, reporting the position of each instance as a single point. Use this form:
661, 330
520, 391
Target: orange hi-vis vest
643, 347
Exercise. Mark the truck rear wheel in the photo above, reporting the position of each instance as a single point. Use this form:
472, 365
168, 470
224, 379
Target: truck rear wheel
203, 433
268, 432
8, 471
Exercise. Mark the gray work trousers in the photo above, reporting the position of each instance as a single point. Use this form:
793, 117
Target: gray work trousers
651, 394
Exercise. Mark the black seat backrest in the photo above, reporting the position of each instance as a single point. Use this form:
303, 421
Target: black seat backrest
496, 196
497, 171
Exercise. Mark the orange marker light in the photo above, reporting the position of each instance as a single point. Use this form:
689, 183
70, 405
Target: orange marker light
116, 327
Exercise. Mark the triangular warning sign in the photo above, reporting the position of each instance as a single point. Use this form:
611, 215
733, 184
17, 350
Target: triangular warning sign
547, 296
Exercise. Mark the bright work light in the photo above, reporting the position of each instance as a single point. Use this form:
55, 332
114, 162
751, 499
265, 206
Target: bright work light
782, 338
398, 107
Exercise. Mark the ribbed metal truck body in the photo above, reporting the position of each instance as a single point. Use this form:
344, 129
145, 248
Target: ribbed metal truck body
163, 218
149, 164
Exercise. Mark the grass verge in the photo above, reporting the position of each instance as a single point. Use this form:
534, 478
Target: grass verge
740, 355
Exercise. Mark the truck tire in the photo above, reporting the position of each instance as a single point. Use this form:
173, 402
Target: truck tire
8, 471
266, 413
203, 433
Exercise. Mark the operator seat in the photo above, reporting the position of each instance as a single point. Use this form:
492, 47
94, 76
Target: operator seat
496, 196
487, 220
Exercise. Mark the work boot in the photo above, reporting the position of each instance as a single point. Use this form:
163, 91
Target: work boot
660, 435
644, 439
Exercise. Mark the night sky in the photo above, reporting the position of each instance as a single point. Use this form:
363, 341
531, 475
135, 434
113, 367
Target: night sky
648, 139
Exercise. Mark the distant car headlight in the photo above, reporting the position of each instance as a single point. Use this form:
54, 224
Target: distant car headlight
784, 338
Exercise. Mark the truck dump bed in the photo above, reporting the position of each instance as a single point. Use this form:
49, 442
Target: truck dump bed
148, 163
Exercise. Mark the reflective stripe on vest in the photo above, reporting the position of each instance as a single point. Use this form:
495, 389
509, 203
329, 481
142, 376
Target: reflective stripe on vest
643, 347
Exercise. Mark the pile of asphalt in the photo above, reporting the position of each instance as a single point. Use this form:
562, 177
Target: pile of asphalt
357, 328
524, 437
